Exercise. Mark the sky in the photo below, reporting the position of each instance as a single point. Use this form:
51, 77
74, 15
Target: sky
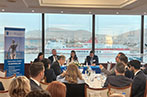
105, 24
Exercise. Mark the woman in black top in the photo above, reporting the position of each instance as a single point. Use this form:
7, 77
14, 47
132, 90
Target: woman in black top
39, 58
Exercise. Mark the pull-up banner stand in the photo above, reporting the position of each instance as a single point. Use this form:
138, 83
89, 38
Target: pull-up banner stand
14, 51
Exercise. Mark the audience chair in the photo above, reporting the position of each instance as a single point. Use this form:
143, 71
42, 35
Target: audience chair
4, 94
6, 81
96, 92
121, 90
145, 92
75, 90
44, 85
3, 74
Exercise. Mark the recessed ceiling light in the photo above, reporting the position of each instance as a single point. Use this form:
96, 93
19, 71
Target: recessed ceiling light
33, 10
3, 9
117, 12
61, 11
144, 13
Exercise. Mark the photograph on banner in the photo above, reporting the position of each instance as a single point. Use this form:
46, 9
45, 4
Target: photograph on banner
14, 47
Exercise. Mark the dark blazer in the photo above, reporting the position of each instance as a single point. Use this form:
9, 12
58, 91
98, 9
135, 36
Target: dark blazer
75, 90
56, 67
94, 60
129, 73
118, 81
138, 86
52, 59
1, 86
34, 86
50, 75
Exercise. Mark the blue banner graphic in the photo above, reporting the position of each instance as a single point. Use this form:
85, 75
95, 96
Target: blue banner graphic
14, 51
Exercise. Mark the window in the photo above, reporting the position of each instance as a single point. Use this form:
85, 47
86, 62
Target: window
32, 24
117, 33
145, 39
65, 32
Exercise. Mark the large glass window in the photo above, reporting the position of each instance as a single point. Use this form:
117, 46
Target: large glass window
31, 23
117, 33
145, 39
65, 32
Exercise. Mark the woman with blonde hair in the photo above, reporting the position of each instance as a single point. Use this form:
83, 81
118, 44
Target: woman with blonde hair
71, 75
19, 87
57, 89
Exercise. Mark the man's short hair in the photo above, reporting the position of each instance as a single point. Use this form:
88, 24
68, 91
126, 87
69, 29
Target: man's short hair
123, 58
36, 68
46, 62
121, 53
39, 93
120, 67
91, 52
135, 63
61, 57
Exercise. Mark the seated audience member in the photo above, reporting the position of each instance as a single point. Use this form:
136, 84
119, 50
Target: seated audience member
19, 87
1, 86
57, 89
73, 57
39, 93
39, 58
145, 69
56, 65
72, 75
112, 71
54, 56
119, 80
36, 75
139, 81
124, 59
92, 59
49, 73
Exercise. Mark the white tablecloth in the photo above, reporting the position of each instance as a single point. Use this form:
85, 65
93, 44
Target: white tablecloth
94, 80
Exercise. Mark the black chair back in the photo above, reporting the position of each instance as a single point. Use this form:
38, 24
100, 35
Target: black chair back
75, 90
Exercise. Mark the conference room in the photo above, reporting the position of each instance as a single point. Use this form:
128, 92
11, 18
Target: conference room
101, 43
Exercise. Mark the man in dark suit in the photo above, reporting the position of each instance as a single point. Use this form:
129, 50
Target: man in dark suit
139, 81
56, 65
36, 75
124, 59
1, 86
92, 59
119, 80
54, 56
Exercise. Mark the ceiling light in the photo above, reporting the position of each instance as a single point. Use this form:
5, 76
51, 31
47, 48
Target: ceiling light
144, 13
3, 9
61, 11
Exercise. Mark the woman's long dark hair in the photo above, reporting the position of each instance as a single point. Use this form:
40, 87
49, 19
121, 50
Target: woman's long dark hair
75, 57
39, 55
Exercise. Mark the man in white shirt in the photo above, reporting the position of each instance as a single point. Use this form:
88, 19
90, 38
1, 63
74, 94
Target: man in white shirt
54, 56
36, 75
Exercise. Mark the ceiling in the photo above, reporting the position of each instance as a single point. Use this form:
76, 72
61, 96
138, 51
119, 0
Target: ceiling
124, 7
